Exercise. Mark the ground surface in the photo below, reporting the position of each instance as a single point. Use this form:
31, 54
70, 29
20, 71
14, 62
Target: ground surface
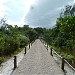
38, 61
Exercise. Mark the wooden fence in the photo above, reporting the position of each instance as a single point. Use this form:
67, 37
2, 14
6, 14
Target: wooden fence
62, 62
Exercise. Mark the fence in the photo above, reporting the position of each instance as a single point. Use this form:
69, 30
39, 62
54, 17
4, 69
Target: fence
62, 62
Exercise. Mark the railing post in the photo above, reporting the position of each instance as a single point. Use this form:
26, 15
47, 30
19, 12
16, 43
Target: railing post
51, 52
29, 45
15, 62
25, 50
47, 46
63, 62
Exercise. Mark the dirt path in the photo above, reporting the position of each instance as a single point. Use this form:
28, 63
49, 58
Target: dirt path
38, 62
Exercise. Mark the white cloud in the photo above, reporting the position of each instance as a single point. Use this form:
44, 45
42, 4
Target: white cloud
22, 6
3, 1
3, 8
19, 23
46, 12
74, 1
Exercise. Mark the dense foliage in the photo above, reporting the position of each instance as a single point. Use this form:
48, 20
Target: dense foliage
13, 38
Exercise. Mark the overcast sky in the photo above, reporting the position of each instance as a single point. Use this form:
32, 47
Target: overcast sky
32, 12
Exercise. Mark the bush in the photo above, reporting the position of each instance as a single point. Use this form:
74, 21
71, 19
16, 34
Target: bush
1, 59
23, 41
69, 58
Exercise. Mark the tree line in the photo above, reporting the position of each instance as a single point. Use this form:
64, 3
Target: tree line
12, 38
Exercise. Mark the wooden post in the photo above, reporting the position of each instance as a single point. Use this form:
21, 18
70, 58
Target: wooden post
47, 46
51, 52
34, 40
15, 62
25, 50
63, 62
29, 45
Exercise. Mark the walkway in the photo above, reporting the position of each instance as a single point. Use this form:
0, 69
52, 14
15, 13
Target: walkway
38, 62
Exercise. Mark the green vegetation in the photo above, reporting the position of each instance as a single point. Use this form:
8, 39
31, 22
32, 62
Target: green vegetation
62, 36
13, 39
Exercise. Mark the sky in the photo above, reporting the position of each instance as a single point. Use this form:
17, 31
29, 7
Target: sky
34, 13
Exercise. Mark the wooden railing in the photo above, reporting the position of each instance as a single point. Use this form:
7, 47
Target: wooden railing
64, 63
65, 66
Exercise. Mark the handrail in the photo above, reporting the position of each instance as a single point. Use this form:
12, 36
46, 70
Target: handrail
57, 54
64, 60
69, 64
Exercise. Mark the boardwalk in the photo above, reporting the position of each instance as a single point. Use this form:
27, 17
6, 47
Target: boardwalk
38, 62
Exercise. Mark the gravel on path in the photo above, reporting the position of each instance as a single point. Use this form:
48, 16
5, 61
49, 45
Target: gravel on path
38, 61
